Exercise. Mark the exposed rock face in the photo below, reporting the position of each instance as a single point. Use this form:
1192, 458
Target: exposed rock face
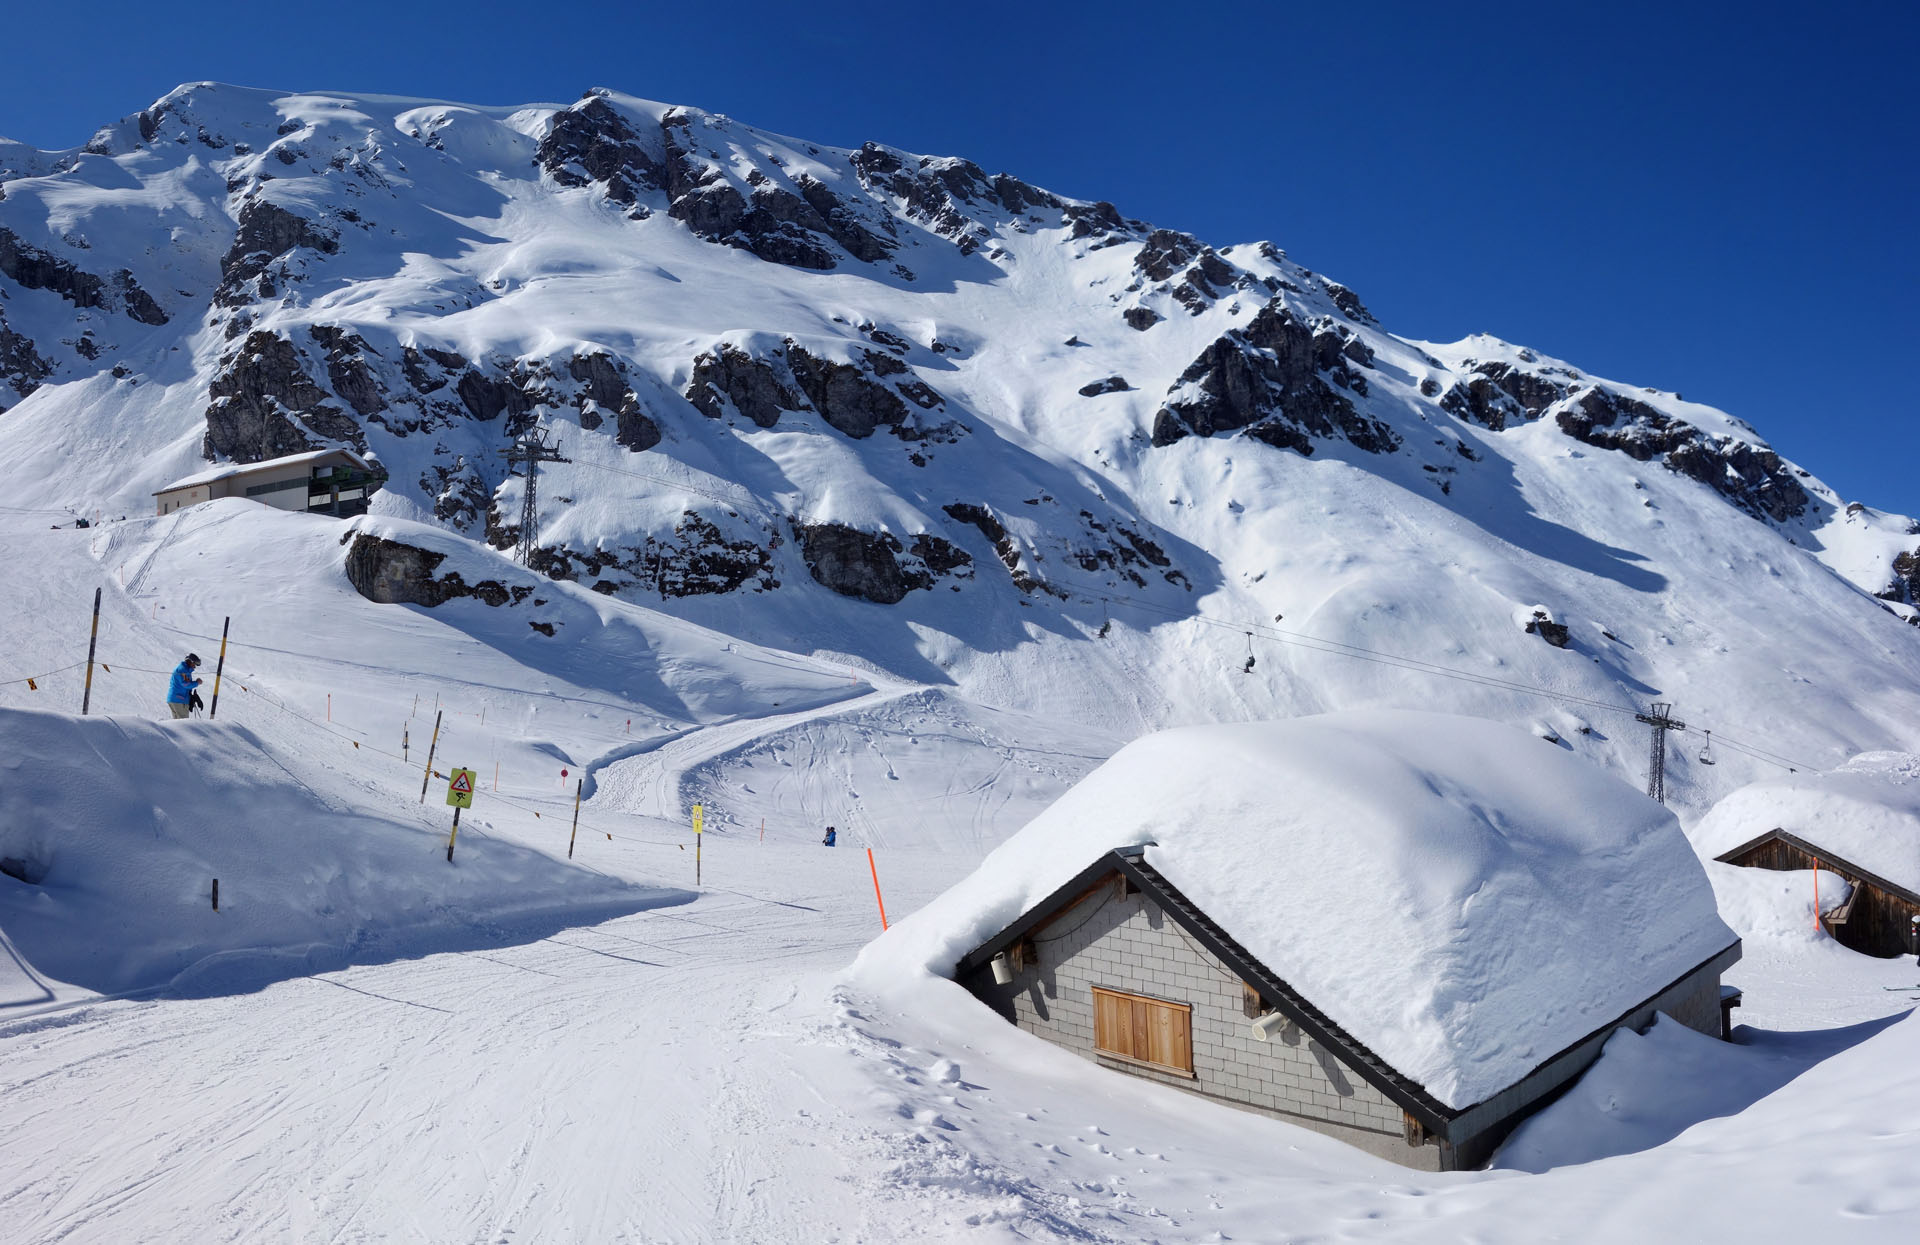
1347, 301
756, 388
391, 573
954, 197
35, 269
267, 233
265, 405
1203, 275
1500, 395
1140, 319
1552, 632
773, 222
851, 397
854, 563
592, 142
846, 395
21, 366
875, 566
1750, 477
1272, 378
347, 369
982, 520
607, 388
1904, 587
1111, 384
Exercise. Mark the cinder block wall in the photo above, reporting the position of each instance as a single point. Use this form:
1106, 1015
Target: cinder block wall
1129, 944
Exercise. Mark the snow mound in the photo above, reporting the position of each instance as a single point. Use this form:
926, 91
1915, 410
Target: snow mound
118, 828
1866, 811
1461, 899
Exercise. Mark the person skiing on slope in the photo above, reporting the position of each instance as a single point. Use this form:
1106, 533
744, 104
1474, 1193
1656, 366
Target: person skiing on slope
180, 693
831, 836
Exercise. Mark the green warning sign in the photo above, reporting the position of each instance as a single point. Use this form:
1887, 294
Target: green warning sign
460, 789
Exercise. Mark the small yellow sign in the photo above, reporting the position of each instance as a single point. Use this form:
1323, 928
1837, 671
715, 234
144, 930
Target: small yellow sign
460, 789
699, 816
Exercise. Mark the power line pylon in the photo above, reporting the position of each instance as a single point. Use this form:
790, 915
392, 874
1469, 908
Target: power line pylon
1661, 720
531, 450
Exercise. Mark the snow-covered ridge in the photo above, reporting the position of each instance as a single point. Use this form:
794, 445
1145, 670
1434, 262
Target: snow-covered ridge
795, 381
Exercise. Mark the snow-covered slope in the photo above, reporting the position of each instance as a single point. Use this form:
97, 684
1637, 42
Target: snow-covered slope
943, 425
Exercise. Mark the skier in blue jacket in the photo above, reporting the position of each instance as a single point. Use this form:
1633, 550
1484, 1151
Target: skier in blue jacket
180, 694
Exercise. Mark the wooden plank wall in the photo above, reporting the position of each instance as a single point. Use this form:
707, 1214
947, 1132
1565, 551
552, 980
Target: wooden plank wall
1880, 922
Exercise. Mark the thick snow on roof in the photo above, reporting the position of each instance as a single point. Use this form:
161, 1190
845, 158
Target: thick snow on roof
1460, 897
224, 470
1867, 812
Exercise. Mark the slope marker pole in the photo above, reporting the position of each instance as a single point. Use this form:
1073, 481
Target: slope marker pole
876, 890
214, 706
86, 696
428, 776
576, 817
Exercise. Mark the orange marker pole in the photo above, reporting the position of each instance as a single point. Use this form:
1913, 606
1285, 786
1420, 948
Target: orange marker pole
876, 889
1816, 895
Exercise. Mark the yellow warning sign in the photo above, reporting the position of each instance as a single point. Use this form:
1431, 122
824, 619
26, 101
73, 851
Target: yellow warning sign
460, 789
699, 816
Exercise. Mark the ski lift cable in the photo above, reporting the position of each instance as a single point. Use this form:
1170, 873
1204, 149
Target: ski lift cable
1321, 644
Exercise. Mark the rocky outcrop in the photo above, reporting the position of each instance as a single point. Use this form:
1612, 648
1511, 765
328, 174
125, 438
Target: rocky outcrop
606, 388
266, 236
1110, 384
1347, 301
957, 199
592, 142
797, 227
869, 565
1203, 276
347, 369
1276, 378
983, 520
1500, 395
21, 366
388, 572
857, 398
265, 406
34, 269
1751, 477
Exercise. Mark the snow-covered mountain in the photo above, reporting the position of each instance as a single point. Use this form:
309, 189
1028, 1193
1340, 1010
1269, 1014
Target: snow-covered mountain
939, 422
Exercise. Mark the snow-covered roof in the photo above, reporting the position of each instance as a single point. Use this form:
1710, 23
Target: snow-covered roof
224, 471
1867, 812
1461, 898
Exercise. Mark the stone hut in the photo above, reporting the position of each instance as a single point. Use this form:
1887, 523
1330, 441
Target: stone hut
1404, 930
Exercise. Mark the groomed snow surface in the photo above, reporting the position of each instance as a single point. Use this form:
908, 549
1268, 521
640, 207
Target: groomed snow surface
366, 1043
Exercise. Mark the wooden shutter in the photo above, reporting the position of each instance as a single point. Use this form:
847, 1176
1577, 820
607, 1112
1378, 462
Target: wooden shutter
1143, 1030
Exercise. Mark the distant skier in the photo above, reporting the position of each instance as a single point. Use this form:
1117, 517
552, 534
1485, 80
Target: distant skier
831, 836
180, 693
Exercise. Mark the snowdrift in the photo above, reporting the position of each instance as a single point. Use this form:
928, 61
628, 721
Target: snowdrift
1867, 810
1462, 898
120, 828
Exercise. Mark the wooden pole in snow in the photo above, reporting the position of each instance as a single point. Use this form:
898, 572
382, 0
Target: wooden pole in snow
86, 696
576, 817
434, 743
213, 706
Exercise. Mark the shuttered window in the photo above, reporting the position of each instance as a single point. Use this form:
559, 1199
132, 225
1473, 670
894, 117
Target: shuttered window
1142, 1030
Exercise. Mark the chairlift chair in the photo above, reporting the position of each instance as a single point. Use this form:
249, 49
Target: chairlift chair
1706, 750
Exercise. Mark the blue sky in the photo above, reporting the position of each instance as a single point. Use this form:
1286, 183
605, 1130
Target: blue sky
1717, 199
